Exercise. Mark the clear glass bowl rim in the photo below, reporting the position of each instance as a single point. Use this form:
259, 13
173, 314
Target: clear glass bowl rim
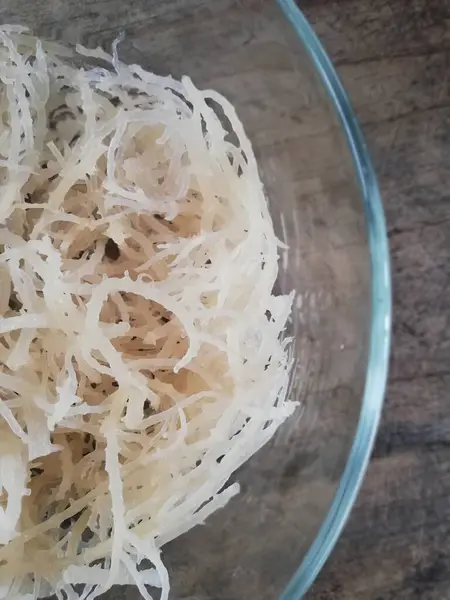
381, 312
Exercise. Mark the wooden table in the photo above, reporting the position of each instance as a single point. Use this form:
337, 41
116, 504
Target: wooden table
394, 59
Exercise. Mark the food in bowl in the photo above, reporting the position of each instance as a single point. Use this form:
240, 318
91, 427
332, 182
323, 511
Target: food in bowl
142, 350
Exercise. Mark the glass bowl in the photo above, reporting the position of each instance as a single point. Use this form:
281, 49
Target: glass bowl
296, 493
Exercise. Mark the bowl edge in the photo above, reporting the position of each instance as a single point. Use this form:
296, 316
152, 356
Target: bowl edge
381, 313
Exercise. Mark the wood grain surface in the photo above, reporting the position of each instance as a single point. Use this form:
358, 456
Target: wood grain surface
394, 59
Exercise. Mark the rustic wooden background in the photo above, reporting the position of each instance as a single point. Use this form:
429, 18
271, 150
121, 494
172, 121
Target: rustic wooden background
394, 59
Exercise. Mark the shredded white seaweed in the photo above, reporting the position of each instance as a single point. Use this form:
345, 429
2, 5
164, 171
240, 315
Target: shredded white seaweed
141, 347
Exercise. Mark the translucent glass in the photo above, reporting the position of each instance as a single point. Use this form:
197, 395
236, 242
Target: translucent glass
298, 491
272, 539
